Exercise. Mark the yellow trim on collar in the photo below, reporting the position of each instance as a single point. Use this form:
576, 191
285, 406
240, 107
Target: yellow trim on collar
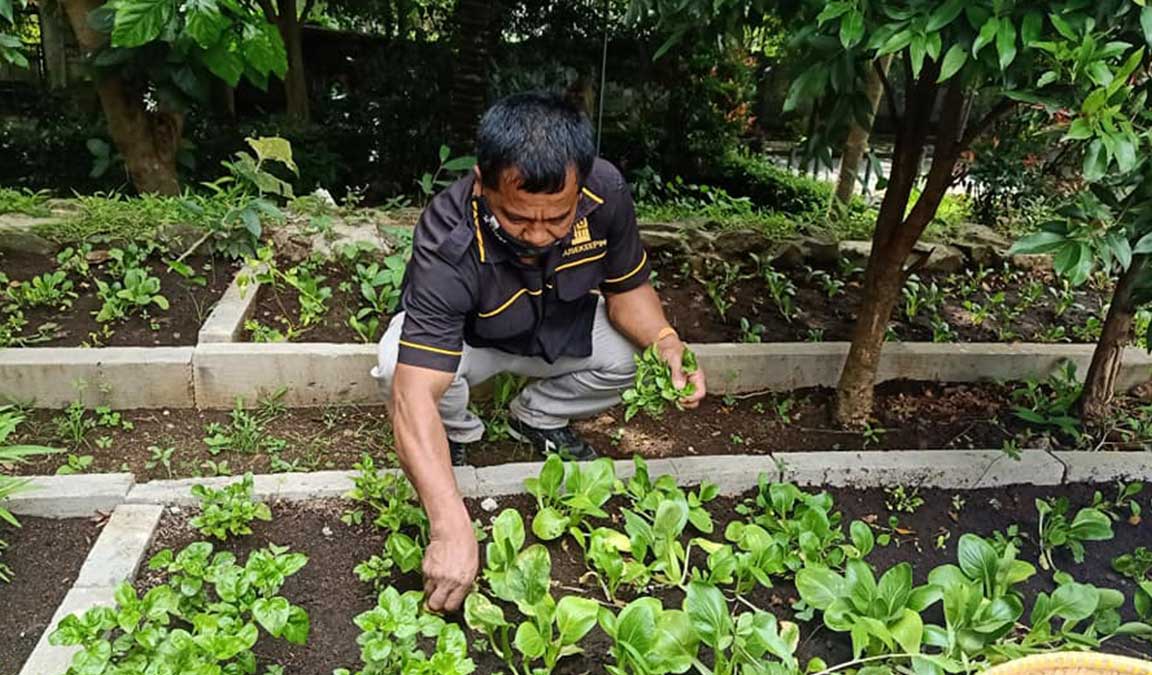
580, 261
437, 350
593, 196
643, 259
508, 303
479, 237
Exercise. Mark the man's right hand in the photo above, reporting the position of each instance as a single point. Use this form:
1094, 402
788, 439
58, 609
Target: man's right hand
450, 564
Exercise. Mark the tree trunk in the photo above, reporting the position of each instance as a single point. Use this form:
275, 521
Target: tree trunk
147, 140
296, 100
1100, 382
896, 235
857, 142
477, 25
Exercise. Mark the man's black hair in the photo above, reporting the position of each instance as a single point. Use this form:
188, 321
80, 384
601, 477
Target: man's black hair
540, 135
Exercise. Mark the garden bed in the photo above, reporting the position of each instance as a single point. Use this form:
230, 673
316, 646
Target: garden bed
818, 304
62, 307
45, 556
925, 538
267, 438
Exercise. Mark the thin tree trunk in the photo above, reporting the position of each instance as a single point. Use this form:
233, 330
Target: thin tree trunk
296, 100
477, 26
896, 235
1100, 382
856, 145
147, 140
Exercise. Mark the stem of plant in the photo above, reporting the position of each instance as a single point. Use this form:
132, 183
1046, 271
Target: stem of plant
867, 659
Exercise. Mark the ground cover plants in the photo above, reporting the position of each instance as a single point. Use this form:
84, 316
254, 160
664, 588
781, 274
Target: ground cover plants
648, 576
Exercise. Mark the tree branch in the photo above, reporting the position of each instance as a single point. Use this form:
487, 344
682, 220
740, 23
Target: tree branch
269, 10
1002, 108
308, 5
888, 94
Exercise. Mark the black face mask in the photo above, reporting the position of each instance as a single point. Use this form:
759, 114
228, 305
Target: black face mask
518, 248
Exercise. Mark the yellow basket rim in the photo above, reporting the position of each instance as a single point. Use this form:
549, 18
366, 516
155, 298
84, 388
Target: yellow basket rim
1073, 663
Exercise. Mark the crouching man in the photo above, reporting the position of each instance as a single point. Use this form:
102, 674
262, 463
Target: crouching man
531, 265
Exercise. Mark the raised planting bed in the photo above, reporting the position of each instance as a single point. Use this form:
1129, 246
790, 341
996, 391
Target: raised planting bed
818, 303
268, 437
44, 557
592, 574
110, 297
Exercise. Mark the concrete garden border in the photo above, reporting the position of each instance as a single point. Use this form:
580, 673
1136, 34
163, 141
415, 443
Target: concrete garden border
211, 375
138, 508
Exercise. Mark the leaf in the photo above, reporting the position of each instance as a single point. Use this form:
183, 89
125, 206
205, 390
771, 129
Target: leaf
1091, 524
1144, 245
988, 33
1006, 43
264, 50
575, 616
954, 60
916, 52
908, 631
139, 22
204, 22
463, 163
1031, 28
819, 586
705, 606
851, 28
274, 148
832, 10
1146, 23
1073, 602
1095, 161
549, 524
528, 641
271, 614
1063, 27
898, 41
1040, 242
224, 61
676, 642
945, 14
978, 560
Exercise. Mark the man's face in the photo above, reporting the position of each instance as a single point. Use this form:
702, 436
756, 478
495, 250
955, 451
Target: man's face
537, 219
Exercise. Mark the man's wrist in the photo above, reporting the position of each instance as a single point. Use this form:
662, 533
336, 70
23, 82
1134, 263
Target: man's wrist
663, 336
450, 520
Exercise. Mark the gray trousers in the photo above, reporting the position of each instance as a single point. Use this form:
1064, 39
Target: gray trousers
569, 388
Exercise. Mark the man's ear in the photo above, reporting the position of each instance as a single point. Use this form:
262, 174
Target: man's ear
479, 180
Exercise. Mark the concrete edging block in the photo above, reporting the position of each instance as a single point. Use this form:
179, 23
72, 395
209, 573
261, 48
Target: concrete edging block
951, 469
1105, 467
733, 474
227, 318
265, 487
120, 377
76, 496
121, 546
46, 659
312, 374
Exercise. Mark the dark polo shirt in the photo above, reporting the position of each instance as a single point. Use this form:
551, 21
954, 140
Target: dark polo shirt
463, 286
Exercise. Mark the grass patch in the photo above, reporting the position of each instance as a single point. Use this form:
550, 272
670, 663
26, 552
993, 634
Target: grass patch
24, 201
115, 217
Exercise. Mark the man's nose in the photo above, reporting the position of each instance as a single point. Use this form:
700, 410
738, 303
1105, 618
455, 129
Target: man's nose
538, 236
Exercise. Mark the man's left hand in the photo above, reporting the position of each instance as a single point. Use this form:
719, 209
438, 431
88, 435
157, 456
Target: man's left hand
672, 351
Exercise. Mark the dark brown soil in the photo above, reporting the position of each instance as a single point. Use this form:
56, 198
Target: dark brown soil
45, 556
694, 315
303, 439
909, 416
332, 595
190, 303
279, 309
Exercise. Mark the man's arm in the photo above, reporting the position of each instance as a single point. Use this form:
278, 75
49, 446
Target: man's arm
452, 557
637, 314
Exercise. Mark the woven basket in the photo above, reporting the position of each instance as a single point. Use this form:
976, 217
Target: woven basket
1073, 663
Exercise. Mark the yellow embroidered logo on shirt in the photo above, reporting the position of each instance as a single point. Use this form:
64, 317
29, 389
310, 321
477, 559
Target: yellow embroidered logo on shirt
580, 234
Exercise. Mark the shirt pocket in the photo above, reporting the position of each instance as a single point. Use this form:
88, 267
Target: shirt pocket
505, 316
577, 278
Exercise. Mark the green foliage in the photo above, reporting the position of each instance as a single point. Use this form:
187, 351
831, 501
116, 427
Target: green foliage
228, 511
394, 509
10, 455
1057, 530
245, 432
653, 389
23, 200
207, 617
882, 617
431, 183
389, 635
568, 493
379, 286
1134, 565
198, 40
1050, 403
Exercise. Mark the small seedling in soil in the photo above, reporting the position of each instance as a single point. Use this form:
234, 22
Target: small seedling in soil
1057, 531
750, 332
872, 435
902, 500
1011, 448
160, 457
228, 511
814, 335
1135, 565
653, 390
1124, 506
76, 464
736, 439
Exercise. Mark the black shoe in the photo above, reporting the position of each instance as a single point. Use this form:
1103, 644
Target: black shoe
562, 441
458, 452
